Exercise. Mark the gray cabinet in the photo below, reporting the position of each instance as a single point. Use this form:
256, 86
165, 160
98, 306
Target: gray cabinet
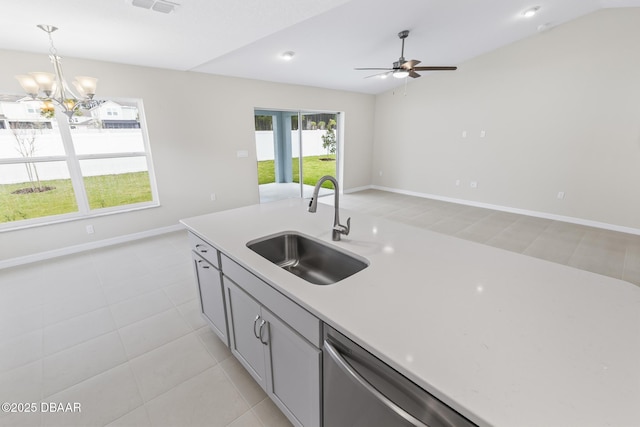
209, 280
247, 332
283, 362
211, 296
293, 374
277, 341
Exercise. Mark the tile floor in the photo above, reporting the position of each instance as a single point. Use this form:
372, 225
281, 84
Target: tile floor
609, 253
118, 329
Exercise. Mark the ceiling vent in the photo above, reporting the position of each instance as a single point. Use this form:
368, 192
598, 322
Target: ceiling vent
163, 6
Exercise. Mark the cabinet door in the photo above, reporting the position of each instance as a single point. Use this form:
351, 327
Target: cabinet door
212, 297
293, 373
245, 320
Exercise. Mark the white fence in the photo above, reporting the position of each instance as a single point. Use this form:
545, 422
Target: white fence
311, 140
86, 141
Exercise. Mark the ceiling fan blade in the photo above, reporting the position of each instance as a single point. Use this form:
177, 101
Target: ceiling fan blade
413, 74
408, 65
385, 74
435, 68
387, 69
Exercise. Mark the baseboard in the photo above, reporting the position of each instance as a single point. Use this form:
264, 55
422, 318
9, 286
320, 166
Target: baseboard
355, 190
41, 256
545, 215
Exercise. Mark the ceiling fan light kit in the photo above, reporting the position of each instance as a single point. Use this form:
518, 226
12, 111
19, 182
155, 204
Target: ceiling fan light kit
402, 68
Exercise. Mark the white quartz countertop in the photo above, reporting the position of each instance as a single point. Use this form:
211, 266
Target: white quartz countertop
505, 339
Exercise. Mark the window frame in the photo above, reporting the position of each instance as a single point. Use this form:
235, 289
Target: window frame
73, 160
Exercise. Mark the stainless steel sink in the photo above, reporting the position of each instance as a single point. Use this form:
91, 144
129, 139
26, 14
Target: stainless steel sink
310, 259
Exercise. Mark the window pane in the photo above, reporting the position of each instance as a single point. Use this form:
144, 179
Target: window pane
27, 132
108, 128
33, 190
116, 182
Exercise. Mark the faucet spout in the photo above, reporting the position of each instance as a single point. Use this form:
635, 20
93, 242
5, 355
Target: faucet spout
337, 228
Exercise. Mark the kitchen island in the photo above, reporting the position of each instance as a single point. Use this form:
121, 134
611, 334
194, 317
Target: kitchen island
505, 339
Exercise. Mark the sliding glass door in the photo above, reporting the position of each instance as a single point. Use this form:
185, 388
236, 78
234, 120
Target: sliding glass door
294, 150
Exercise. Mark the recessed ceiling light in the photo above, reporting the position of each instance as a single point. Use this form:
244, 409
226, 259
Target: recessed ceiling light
146, 4
544, 27
288, 56
531, 12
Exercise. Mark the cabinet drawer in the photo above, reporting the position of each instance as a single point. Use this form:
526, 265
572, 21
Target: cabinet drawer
305, 323
204, 249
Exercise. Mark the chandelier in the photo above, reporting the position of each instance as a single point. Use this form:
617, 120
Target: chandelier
51, 88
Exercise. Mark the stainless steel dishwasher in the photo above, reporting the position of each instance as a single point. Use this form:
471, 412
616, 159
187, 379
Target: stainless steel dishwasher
359, 390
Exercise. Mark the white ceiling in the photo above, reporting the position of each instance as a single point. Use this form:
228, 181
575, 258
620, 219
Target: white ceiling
245, 38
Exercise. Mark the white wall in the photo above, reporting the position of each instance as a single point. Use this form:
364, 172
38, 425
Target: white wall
197, 123
561, 111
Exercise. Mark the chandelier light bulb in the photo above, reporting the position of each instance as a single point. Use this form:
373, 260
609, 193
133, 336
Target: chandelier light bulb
29, 85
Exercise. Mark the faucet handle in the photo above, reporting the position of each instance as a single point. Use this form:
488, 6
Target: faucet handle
347, 228
339, 229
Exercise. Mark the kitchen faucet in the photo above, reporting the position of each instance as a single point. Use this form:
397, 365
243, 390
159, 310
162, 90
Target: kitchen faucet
338, 228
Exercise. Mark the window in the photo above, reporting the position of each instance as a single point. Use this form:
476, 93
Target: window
52, 168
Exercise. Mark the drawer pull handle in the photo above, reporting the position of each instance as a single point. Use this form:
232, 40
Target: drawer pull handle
255, 321
264, 322
204, 251
202, 265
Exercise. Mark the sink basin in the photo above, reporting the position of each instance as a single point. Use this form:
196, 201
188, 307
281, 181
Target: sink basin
307, 258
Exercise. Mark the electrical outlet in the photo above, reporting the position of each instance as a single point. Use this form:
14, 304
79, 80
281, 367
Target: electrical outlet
464, 133
482, 134
90, 229
473, 184
560, 195
457, 183
213, 197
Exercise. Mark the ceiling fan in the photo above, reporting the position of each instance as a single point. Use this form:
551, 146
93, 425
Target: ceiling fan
402, 68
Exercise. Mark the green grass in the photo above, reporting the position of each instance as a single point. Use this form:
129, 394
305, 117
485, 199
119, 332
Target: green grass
103, 191
106, 191
313, 168
15, 207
